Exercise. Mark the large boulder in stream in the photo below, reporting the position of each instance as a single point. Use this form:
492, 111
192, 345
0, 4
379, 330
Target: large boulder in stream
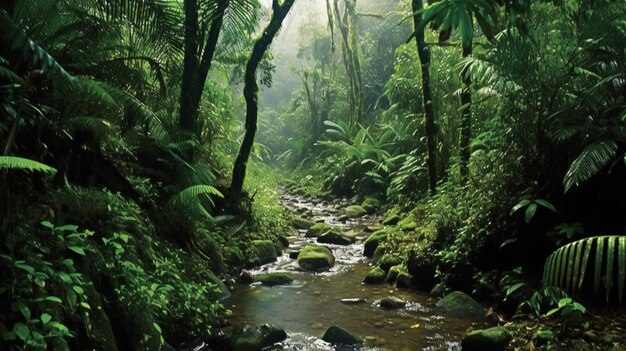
375, 276
371, 205
334, 237
316, 258
492, 339
339, 336
256, 338
275, 278
302, 223
355, 211
370, 245
265, 251
317, 229
460, 304
392, 303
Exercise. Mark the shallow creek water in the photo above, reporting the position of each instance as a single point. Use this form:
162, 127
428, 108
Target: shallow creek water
308, 306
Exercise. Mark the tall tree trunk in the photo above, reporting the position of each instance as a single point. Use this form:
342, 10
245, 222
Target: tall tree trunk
466, 119
429, 115
251, 89
209, 51
188, 112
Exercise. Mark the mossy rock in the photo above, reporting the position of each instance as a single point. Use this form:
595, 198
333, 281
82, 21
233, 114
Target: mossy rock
460, 304
234, 256
273, 279
283, 241
302, 223
543, 336
317, 229
371, 243
492, 339
378, 255
251, 338
404, 280
393, 272
392, 217
265, 250
355, 211
407, 224
334, 237
339, 336
388, 261
375, 276
315, 258
392, 303
371, 205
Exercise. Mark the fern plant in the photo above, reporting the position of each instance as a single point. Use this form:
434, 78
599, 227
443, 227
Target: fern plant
601, 259
25, 164
194, 200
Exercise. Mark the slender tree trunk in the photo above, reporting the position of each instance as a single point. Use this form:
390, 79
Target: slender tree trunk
466, 119
429, 115
188, 112
209, 52
251, 89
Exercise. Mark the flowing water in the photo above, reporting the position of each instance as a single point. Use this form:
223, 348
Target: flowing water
311, 304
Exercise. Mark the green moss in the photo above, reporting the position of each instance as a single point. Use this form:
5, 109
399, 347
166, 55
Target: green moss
492, 339
355, 211
371, 243
407, 224
375, 276
459, 304
388, 261
273, 279
393, 273
315, 258
264, 250
371, 205
317, 229
302, 223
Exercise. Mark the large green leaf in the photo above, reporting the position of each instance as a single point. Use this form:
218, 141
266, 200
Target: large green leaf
19, 163
590, 161
621, 268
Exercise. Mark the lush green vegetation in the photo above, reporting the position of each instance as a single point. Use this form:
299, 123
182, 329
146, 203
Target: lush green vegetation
143, 150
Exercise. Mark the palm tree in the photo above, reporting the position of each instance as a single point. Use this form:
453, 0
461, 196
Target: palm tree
251, 89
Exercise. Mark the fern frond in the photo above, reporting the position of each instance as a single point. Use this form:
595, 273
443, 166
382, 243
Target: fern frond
192, 201
590, 161
25, 164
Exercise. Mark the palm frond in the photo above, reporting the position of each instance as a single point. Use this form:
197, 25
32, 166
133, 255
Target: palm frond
24, 164
590, 161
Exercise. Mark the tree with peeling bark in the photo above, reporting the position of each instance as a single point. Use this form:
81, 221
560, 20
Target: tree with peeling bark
251, 90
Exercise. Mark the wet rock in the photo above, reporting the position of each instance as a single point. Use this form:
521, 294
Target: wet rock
375, 276
492, 339
294, 254
460, 304
393, 272
256, 338
355, 211
371, 205
438, 290
265, 250
392, 303
334, 237
351, 234
283, 241
378, 255
404, 280
389, 261
339, 336
342, 218
353, 301
273, 279
370, 245
315, 258
543, 336
317, 229
246, 277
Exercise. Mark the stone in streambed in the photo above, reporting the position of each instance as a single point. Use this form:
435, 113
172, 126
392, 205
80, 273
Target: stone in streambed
393, 272
459, 304
375, 276
339, 336
352, 301
315, 258
246, 277
273, 279
294, 254
355, 211
370, 245
492, 339
404, 280
392, 303
317, 229
334, 237
251, 338
389, 261
265, 251
371, 205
